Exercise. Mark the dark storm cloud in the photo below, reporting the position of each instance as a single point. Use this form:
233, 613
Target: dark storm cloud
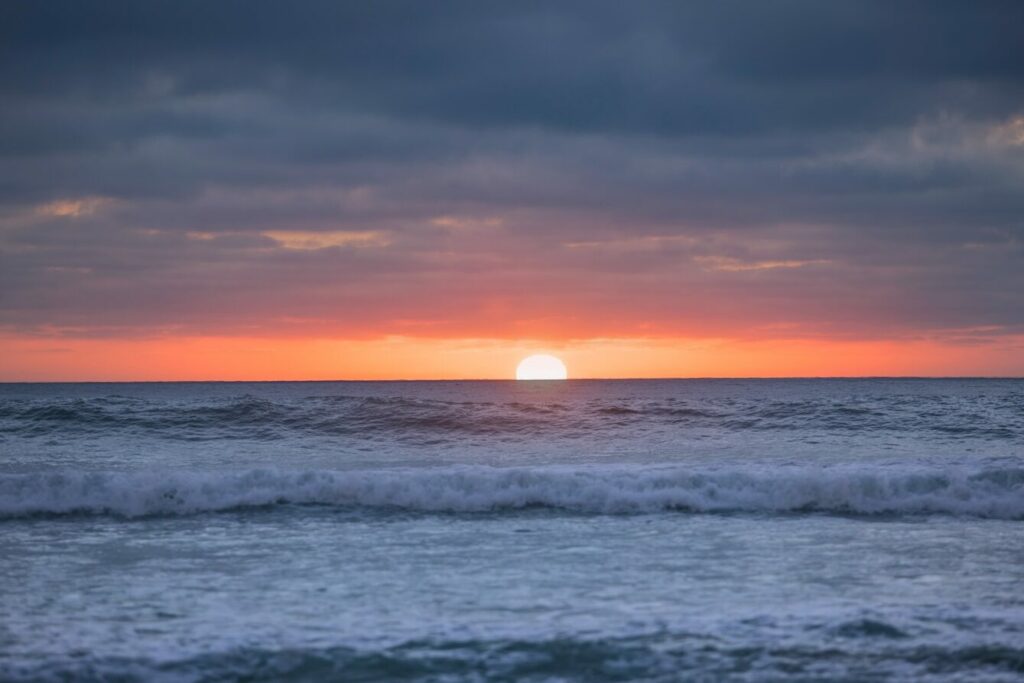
836, 168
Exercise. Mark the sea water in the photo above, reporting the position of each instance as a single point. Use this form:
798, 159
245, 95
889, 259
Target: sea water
538, 531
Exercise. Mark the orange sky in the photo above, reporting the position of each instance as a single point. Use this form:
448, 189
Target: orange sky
228, 358
645, 190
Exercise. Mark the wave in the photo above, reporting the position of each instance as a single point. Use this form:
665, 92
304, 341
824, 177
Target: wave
429, 419
263, 419
987, 493
664, 657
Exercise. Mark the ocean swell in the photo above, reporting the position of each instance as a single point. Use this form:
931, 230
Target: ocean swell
415, 420
656, 658
988, 493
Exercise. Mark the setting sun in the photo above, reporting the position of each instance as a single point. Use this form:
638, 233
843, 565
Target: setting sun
541, 366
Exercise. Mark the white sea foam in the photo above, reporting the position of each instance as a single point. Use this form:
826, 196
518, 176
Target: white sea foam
988, 493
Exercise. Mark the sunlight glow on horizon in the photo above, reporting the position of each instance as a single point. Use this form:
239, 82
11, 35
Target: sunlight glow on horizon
541, 366
183, 358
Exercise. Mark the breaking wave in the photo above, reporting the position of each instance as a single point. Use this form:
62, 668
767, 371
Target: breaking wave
987, 493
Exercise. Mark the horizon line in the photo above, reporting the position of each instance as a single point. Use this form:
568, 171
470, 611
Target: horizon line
514, 380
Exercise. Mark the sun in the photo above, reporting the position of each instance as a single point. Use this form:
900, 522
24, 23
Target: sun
541, 366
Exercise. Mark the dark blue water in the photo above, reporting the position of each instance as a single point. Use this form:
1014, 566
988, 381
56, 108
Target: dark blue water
582, 530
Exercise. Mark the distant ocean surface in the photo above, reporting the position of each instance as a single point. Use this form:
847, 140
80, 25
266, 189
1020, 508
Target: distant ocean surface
790, 530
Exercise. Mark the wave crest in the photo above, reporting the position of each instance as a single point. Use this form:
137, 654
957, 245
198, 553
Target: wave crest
991, 493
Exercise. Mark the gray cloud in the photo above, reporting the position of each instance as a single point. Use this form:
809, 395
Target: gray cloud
725, 168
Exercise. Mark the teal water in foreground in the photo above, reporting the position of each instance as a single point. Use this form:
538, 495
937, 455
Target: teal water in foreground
465, 531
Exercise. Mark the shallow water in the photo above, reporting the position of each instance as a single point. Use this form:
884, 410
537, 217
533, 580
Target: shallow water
663, 530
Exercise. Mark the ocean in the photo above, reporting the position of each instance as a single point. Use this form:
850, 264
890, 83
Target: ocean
697, 530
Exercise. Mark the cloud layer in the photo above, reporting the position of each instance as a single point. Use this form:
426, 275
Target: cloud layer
516, 170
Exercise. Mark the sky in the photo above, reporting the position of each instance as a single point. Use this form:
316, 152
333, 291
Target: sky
330, 190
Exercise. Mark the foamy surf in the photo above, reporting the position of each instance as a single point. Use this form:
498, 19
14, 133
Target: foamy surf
586, 531
984, 493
